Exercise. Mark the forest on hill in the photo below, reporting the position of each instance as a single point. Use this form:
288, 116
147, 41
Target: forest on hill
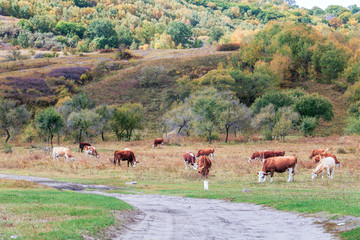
293, 69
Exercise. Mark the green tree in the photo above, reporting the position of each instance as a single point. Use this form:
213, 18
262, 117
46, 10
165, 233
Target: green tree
23, 40
179, 117
41, 23
145, 33
287, 120
103, 32
179, 32
12, 117
70, 29
104, 113
277, 99
236, 115
216, 33
207, 106
82, 101
314, 105
308, 126
49, 121
82, 121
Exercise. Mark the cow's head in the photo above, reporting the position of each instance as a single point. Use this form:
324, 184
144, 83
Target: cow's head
338, 165
134, 163
195, 166
262, 176
250, 160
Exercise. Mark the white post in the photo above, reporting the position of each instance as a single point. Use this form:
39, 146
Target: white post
206, 185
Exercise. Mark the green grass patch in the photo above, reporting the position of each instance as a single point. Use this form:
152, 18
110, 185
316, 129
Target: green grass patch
351, 235
52, 214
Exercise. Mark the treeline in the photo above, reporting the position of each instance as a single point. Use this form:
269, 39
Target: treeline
75, 118
89, 25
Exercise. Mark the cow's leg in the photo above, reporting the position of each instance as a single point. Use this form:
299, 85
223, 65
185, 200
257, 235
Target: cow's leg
186, 166
332, 173
272, 176
290, 175
328, 172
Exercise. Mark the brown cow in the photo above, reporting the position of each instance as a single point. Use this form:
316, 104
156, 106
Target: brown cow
90, 150
189, 159
206, 152
319, 157
204, 166
158, 141
125, 155
317, 152
265, 154
278, 164
82, 145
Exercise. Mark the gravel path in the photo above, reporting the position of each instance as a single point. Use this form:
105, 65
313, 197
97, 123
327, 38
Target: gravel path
171, 217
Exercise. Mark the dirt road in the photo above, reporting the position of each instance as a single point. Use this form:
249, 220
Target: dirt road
171, 217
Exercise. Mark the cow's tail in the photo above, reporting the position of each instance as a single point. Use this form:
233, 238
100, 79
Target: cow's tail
115, 158
294, 171
326, 150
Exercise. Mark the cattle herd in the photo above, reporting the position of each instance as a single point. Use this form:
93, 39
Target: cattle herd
273, 161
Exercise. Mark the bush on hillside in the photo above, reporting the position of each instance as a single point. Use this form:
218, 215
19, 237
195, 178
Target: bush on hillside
73, 73
228, 47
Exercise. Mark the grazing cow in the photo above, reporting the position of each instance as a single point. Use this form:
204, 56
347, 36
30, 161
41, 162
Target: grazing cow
265, 154
62, 152
90, 150
206, 152
204, 166
189, 159
82, 145
158, 141
327, 163
317, 152
278, 164
125, 155
317, 158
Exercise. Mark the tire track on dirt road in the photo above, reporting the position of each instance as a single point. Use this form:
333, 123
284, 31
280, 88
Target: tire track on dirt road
172, 217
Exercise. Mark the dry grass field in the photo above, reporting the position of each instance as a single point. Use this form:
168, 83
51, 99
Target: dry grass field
162, 171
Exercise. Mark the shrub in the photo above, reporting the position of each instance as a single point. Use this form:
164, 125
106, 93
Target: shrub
341, 150
228, 47
308, 126
106, 51
69, 73
124, 54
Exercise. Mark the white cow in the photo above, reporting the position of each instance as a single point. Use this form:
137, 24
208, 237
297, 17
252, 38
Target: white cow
325, 163
62, 152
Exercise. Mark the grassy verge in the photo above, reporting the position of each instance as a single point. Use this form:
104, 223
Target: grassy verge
31, 212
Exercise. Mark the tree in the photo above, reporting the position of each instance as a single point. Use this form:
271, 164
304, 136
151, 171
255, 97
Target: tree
104, 113
308, 126
250, 86
82, 101
49, 121
277, 99
207, 106
265, 120
314, 105
145, 33
83, 121
179, 32
103, 32
287, 119
70, 29
179, 117
12, 117
236, 115
216, 33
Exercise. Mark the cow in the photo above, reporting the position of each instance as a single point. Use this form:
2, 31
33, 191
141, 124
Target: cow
62, 152
204, 166
82, 145
317, 158
206, 152
327, 163
266, 154
158, 141
90, 150
278, 164
189, 159
317, 152
125, 155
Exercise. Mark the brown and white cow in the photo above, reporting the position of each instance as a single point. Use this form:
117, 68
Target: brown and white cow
266, 154
90, 150
125, 155
189, 159
206, 152
278, 164
62, 152
82, 145
327, 164
317, 152
204, 166
319, 157
158, 141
